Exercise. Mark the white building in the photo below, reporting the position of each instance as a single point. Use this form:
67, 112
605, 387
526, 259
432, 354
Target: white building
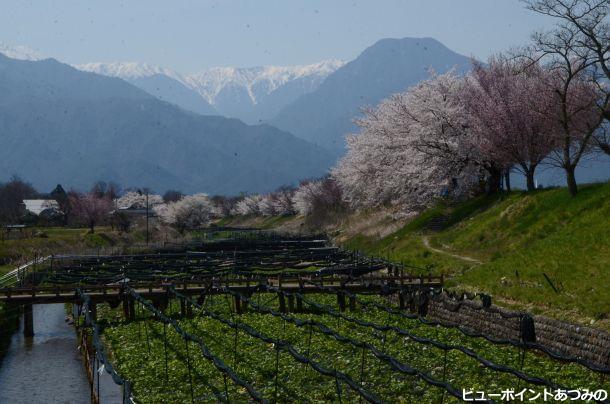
39, 206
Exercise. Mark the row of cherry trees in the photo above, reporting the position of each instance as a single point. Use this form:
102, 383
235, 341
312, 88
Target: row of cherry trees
453, 135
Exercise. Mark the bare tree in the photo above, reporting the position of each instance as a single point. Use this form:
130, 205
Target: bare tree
171, 195
283, 201
12, 195
320, 201
580, 98
585, 24
225, 205
103, 189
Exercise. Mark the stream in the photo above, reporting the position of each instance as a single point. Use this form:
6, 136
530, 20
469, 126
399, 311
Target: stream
47, 368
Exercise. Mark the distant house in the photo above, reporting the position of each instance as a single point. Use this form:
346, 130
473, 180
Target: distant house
137, 204
42, 207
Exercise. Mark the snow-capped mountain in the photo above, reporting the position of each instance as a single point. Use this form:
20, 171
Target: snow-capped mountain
19, 52
128, 70
259, 81
59, 124
257, 94
165, 84
251, 94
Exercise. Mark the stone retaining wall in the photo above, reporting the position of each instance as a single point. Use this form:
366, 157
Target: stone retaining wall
568, 339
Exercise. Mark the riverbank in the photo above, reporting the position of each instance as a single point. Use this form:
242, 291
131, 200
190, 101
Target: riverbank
543, 252
45, 241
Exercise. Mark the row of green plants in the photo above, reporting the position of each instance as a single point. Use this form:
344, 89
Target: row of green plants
163, 368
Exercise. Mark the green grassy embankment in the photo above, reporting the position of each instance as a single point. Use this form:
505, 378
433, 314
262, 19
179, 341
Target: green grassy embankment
518, 239
279, 223
61, 240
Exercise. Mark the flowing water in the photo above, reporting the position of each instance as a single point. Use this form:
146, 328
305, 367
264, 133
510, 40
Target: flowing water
47, 368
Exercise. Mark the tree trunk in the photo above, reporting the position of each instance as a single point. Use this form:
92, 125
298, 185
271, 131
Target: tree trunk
507, 180
571, 180
493, 181
529, 176
92, 227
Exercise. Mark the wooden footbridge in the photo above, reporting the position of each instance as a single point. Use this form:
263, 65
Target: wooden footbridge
247, 266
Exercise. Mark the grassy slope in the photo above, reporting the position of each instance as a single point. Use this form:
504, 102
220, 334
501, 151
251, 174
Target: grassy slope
280, 223
519, 237
59, 240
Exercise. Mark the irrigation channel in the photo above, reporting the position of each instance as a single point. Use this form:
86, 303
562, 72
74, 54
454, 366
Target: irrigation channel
48, 368
254, 316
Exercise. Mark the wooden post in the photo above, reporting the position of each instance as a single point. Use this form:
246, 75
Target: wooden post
163, 303
341, 301
352, 303
401, 299
14, 307
132, 309
299, 304
93, 311
282, 300
126, 307
291, 303
244, 303
237, 304
28, 320
412, 305
183, 308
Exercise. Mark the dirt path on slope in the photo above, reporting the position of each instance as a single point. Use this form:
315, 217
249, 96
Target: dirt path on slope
426, 242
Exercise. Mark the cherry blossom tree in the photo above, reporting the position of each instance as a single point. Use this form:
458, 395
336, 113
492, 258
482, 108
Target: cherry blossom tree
279, 202
577, 52
90, 209
250, 205
441, 125
266, 205
224, 205
319, 200
138, 200
412, 148
191, 211
283, 201
507, 101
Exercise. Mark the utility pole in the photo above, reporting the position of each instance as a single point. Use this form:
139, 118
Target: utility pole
147, 217
146, 193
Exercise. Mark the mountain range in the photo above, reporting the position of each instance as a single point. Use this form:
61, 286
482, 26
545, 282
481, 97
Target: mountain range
316, 102
325, 115
253, 95
19, 52
60, 124
142, 125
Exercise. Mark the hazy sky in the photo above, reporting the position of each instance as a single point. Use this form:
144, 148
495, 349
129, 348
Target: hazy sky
189, 35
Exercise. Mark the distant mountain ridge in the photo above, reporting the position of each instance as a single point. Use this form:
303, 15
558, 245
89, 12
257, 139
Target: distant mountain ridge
251, 94
19, 52
62, 125
258, 80
325, 115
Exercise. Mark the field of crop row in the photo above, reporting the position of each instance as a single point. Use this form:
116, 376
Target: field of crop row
366, 352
